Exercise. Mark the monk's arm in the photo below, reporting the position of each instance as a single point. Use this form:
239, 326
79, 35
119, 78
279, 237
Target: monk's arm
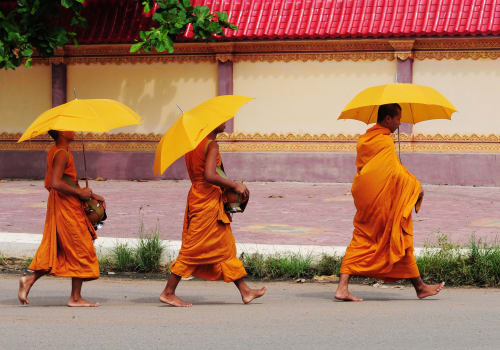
212, 177
57, 183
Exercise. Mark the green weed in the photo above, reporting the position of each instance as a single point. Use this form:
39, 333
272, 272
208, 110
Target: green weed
475, 263
149, 251
278, 266
123, 258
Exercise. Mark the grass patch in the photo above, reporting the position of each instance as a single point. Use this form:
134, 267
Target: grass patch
329, 265
148, 253
290, 266
105, 263
474, 264
278, 266
123, 258
144, 258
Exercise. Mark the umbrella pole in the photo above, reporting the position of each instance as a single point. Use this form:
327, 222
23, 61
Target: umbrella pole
84, 164
83, 152
399, 145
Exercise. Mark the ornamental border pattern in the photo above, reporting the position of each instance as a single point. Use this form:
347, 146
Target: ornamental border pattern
294, 50
240, 142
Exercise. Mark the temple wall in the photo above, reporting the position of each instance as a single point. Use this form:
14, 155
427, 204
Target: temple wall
277, 137
304, 97
24, 94
152, 90
291, 97
472, 86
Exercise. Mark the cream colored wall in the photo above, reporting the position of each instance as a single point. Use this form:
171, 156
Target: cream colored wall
152, 90
24, 94
472, 86
299, 97
304, 97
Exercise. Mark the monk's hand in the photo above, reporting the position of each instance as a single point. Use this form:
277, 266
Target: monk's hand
97, 197
242, 190
100, 199
419, 201
85, 194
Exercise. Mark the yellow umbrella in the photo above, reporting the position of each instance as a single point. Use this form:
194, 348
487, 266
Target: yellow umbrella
193, 126
93, 115
418, 103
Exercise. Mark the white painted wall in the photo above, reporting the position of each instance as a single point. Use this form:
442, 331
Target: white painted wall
472, 86
304, 97
152, 90
24, 94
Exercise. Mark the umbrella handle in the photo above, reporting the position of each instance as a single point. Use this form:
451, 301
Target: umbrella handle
399, 145
84, 165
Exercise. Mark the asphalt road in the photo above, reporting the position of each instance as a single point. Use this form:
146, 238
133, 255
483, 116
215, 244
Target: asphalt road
289, 316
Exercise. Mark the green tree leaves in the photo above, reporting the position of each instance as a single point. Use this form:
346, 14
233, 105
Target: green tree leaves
30, 27
173, 17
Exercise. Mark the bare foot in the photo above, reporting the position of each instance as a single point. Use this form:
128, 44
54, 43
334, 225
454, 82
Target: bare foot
81, 303
427, 290
24, 289
174, 300
346, 296
252, 294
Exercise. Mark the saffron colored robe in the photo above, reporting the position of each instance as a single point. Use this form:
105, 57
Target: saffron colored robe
384, 193
67, 248
208, 247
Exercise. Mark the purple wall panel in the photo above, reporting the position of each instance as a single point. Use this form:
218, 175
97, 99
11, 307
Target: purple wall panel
430, 168
405, 75
22, 164
59, 84
225, 86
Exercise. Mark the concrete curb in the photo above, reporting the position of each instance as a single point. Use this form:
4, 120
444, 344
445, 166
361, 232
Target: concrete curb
22, 245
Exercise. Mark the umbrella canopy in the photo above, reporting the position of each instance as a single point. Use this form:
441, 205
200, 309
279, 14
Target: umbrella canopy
193, 126
93, 115
418, 103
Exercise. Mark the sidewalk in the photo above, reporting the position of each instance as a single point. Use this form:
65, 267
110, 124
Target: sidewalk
315, 217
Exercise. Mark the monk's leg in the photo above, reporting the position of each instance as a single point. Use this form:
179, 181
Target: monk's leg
76, 300
168, 295
248, 294
342, 292
25, 284
426, 290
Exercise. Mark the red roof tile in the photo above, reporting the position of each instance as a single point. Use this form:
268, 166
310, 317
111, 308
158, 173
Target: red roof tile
119, 21
316, 19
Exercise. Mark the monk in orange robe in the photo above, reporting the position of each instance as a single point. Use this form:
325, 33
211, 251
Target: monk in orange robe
384, 193
67, 248
208, 247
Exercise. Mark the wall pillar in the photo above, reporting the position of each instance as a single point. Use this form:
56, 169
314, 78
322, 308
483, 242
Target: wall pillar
404, 74
59, 84
225, 83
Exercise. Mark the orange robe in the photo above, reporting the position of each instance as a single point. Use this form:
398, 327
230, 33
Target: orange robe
208, 247
67, 248
384, 193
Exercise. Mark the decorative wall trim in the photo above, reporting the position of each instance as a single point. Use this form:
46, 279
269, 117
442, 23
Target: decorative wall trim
240, 142
403, 49
293, 50
457, 55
